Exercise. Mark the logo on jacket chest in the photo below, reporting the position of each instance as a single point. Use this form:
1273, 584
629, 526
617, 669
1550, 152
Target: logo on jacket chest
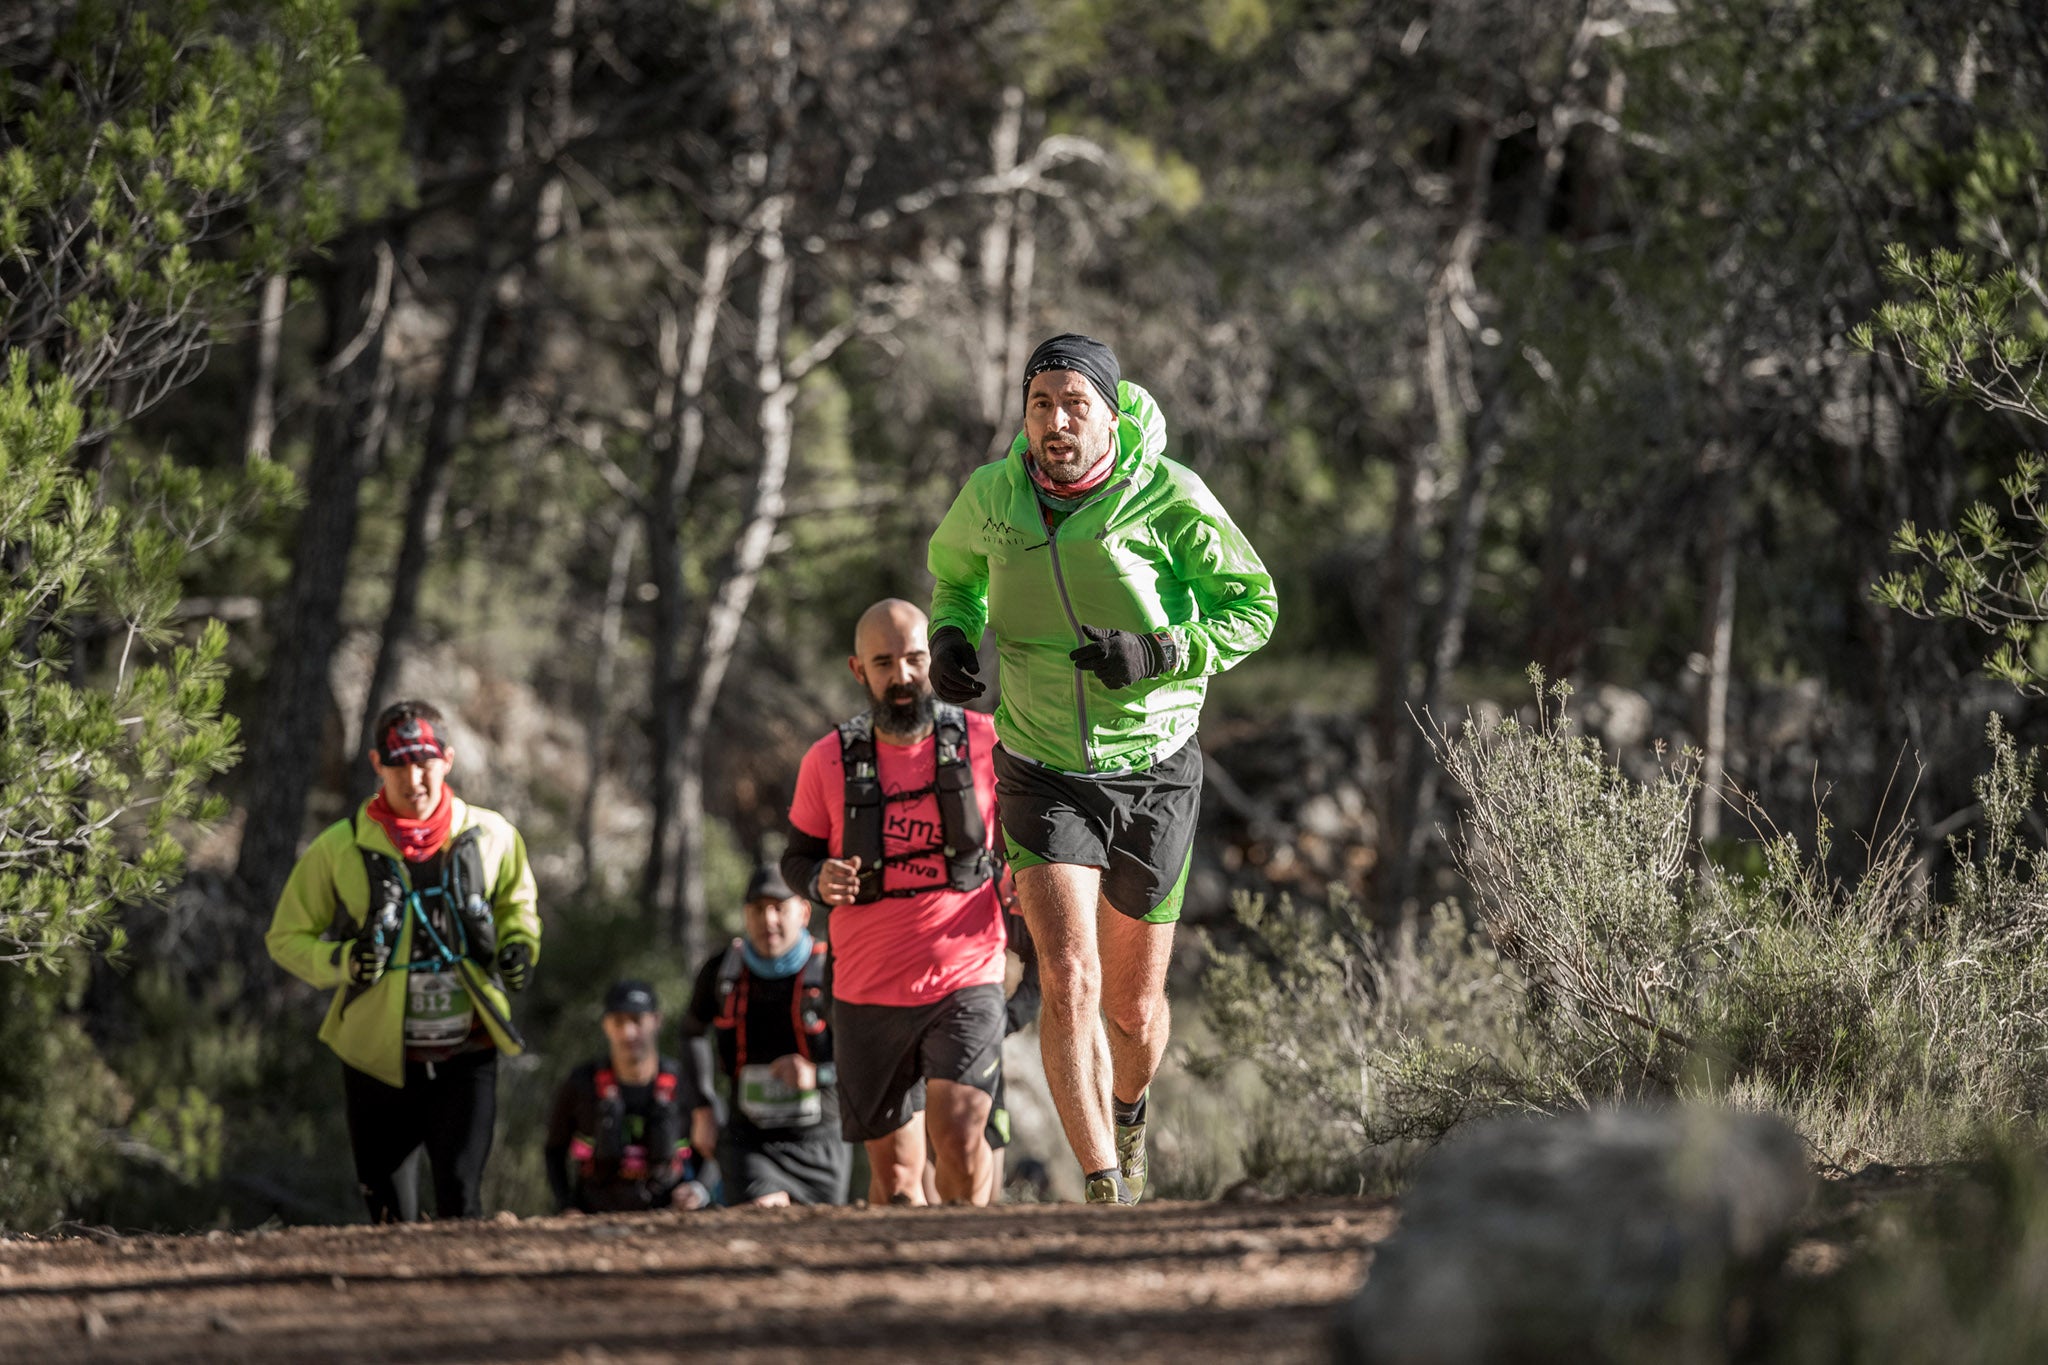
1002, 533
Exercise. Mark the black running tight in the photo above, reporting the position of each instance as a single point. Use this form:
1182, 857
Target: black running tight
450, 1113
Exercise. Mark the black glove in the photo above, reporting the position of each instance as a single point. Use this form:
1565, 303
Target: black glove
1122, 657
366, 961
515, 964
954, 664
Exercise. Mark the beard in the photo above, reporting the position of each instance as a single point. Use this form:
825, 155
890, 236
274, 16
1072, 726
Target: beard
1077, 455
902, 710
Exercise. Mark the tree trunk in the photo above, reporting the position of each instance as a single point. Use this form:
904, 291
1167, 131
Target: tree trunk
1399, 609
446, 429
306, 623
1717, 644
1452, 388
1006, 244
604, 674
743, 573
561, 66
263, 383
679, 442
996, 236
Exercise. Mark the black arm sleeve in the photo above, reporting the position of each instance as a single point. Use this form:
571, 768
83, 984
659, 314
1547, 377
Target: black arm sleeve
557, 1161
802, 856
697, 1059
555, 1152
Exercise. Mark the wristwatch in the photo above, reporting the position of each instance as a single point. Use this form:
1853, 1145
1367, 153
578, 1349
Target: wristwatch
1169, 652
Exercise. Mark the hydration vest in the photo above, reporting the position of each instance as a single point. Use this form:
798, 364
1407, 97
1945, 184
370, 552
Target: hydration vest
662, 1150
461, 889
963, 835
806, 1002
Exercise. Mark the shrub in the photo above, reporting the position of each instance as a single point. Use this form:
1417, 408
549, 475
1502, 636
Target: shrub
1605, 959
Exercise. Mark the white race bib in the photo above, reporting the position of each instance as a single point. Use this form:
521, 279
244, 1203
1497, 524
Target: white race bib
438, 1010
771, 1104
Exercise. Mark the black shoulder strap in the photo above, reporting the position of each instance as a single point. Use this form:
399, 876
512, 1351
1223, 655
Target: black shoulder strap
385, 914
966, 833
807, 1003
729, 968
864, 804
469, 895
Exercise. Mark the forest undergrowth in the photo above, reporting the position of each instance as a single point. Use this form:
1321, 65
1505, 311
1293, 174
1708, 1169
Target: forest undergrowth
1889, 1015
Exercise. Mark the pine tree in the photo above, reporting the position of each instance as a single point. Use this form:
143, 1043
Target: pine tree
158, 161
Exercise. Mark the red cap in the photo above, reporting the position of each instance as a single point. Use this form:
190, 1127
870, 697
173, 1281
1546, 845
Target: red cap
410, 740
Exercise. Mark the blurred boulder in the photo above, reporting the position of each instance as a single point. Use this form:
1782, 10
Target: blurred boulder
1622, 718
1616, 1235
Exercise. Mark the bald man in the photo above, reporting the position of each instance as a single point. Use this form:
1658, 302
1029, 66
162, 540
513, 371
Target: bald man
892, 827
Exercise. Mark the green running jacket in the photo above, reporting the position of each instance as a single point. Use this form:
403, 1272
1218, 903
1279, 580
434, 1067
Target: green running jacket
1152, 550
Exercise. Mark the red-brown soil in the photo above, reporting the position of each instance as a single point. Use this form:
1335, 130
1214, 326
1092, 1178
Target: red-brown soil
1164, 1282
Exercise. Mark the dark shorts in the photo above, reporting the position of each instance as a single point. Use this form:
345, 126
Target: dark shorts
812, 1169
885, 1053
1139, 828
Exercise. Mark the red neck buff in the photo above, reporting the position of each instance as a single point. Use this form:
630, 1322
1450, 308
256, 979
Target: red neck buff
416, 840
1096, 475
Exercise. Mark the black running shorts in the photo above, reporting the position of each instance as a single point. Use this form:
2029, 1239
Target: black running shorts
814, 1168
1139, 828
885, 1053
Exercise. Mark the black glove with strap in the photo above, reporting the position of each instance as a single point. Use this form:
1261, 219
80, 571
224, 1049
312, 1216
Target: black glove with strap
515, 964
366, 961
1122, 657
954, 664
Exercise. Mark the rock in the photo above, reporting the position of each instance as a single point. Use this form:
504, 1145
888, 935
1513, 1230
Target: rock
1620, 717
1321, 816
1785, 714
1618, 1235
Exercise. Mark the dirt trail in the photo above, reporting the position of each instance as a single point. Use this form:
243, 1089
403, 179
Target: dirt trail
1165, 1282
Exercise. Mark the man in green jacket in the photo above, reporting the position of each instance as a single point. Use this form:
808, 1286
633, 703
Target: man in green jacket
418, 913
1116, 585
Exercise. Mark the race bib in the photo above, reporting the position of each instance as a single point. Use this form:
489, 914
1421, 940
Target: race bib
438, 1012
771, 1104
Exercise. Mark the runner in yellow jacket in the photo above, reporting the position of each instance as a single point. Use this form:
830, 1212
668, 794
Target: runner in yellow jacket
418, 912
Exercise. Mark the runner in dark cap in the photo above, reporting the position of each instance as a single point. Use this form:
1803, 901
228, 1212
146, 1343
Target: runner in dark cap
618, 1137
765, 1002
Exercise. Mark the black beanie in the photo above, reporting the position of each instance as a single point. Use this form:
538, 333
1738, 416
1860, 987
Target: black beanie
1072, 351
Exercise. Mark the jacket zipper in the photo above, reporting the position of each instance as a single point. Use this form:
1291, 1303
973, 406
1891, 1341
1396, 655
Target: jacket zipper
1059, 580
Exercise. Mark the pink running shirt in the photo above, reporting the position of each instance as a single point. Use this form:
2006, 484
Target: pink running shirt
906, 950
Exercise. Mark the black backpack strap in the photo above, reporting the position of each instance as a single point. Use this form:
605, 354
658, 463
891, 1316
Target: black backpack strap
383, 914
864, 804
810, 994
468, 892
729, 968
968, 864
611, 1117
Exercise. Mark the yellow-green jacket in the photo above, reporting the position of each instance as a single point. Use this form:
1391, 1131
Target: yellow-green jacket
368, 1032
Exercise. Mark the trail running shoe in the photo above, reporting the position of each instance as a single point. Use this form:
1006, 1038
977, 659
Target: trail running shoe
1107, 1189
1130, 1158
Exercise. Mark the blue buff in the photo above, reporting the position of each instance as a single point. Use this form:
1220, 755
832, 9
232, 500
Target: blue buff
775, 968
